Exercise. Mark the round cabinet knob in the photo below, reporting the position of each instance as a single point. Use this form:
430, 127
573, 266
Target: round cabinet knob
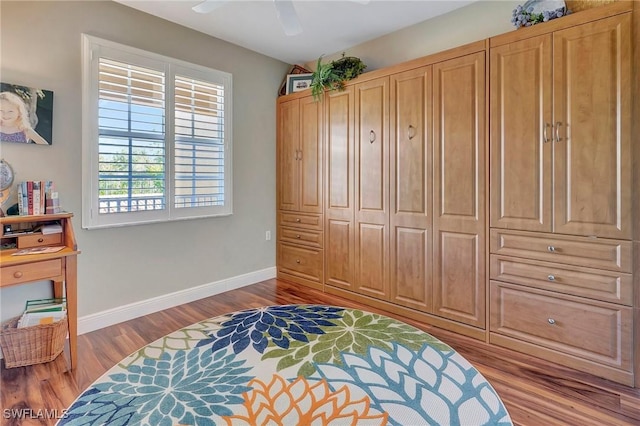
297, 260
551, 277
17, 274
298, 236
298, 220
551, 249
551, 321
41, 240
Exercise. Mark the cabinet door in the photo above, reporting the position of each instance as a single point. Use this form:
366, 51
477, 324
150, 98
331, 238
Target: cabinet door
288, 154
372, 187
459, 185
310, 156
521, 80
411, 188
339, 211
592, 108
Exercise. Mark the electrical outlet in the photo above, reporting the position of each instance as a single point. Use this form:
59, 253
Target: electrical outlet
267, 235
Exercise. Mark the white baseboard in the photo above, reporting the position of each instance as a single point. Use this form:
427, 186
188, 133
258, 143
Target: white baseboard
109, 317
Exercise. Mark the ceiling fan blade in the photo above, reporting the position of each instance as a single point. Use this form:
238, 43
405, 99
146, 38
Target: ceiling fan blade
288, 17
208, 6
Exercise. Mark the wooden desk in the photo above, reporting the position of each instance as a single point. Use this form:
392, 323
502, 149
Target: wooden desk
59, 267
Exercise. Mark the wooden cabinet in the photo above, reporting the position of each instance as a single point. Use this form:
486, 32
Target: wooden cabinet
339, 211
411, 188
409, 225
372, 188
299, 191
563, 95
521, 78
561, 256
592, 111
496, 173
300, 156
459, 189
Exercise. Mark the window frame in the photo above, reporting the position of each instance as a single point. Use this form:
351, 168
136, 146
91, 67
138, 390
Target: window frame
94, 48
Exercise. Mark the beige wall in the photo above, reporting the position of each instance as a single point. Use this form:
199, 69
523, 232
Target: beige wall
40, 46
477, 21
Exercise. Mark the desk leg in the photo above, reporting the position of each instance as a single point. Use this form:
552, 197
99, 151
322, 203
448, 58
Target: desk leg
58, 289
71, 289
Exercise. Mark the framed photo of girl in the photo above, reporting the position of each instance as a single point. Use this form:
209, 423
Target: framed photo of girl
26, 114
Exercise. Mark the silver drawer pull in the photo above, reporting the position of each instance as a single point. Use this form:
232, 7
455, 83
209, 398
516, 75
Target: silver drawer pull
551, 321
551, 277
297, 260
551, 249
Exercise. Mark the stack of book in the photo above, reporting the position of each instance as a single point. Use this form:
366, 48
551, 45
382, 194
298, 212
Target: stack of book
43, 311
36, 197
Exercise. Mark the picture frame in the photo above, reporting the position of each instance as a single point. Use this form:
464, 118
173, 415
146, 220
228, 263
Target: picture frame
298, 82
27, 114
296, 69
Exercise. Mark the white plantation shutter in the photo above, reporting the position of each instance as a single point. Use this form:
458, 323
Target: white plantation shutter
156, 137
131, 143
199, 143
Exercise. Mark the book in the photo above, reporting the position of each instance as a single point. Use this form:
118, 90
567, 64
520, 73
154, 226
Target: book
30, 197
42, 311
36, 197
52, 203
50, 228
45, 305
25, 201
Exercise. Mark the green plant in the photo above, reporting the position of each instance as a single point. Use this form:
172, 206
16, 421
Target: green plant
332, 75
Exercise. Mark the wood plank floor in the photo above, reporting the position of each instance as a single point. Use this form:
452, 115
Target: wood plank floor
535, 392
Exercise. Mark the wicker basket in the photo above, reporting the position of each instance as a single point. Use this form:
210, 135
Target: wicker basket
31, 345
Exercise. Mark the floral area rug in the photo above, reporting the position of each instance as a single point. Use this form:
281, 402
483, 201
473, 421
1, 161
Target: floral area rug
292, 365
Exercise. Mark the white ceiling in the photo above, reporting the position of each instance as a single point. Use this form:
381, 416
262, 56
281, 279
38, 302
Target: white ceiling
328, 26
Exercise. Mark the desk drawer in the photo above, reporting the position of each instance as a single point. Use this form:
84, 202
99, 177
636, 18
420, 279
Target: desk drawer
301, 221
30, 272
301, 236
598, 253
596, 331
609, 286
37, 240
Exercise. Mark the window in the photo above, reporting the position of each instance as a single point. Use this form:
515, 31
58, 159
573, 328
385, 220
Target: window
156, 137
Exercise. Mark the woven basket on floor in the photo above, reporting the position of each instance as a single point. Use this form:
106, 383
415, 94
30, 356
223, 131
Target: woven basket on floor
31, 345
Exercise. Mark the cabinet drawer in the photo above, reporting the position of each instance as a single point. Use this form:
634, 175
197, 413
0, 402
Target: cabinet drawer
30, 272
302, 262
300, 236
610, 286
37, 240
301, 221
598, 253
596, 331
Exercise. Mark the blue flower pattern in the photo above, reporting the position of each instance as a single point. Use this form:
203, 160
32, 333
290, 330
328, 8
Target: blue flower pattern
276, 324
159, 392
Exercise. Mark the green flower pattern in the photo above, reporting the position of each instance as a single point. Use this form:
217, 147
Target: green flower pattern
355, 332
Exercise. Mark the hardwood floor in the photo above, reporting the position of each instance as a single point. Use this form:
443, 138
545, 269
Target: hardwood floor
534, 391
